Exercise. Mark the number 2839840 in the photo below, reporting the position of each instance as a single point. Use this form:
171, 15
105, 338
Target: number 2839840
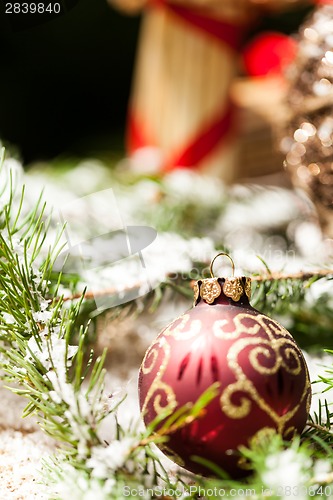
32, 8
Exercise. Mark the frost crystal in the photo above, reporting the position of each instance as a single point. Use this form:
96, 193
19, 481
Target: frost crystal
322, 469
50, 350
42, 316
287, 470
8, 319
76, 485
106, 459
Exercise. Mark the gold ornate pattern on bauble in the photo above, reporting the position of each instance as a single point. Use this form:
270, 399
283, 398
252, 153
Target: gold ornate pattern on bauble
239, 323
180, 332
158, 388
278, 349
274, 350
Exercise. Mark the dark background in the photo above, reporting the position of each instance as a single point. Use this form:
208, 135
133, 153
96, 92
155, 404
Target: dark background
65, 82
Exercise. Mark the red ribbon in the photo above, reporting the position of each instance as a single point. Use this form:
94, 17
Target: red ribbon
231, 34
196, 150
137, 137
204, 142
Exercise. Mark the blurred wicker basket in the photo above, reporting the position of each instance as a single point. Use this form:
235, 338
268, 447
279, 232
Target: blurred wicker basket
180, 109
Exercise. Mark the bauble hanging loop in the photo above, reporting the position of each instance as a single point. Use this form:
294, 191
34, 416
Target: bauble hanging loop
263, 379
221, 254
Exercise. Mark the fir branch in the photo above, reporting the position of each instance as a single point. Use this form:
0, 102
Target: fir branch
36, 333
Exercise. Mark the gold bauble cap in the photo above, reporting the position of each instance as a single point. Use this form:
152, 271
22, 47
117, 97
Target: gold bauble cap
209, 289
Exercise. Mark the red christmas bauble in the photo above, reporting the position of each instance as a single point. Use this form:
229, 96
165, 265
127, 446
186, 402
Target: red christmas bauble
263, 378
269, 54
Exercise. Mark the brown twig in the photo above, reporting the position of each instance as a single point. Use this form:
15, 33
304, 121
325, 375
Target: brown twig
102, 293
318, 427
302, 275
